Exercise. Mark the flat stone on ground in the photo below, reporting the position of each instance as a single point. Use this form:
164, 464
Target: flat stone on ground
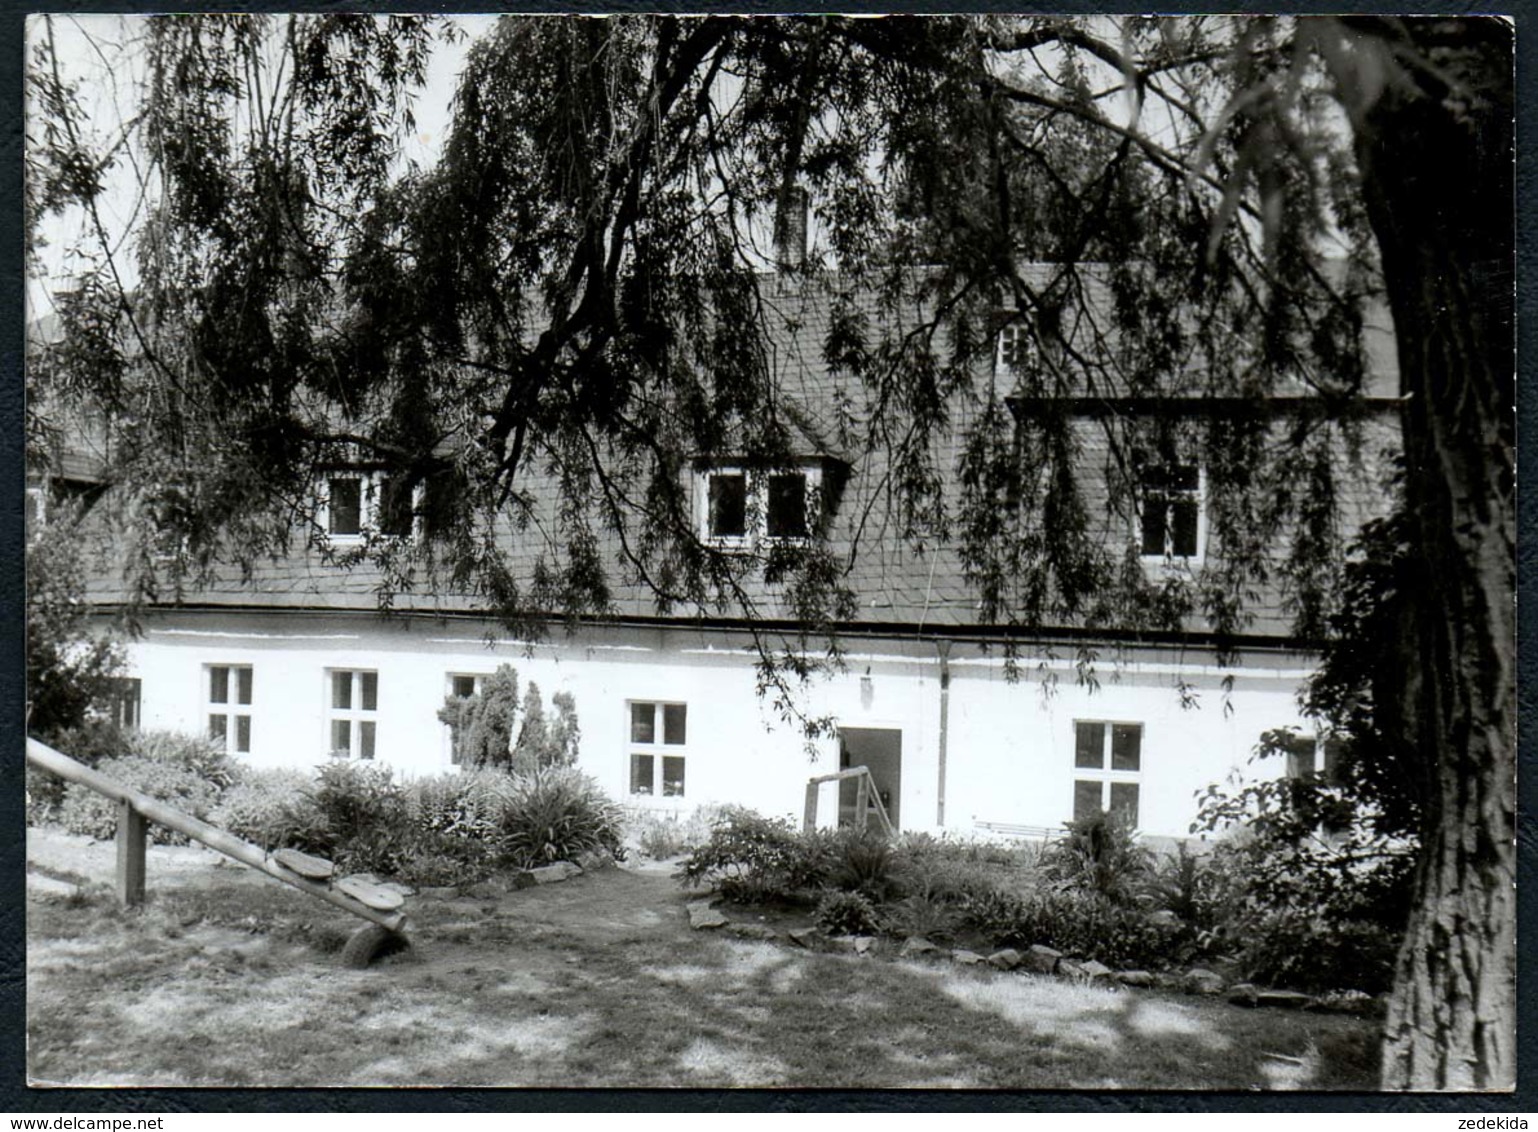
1041, 959
1284, 999
1243, 994
702, 915
1095, 971
803, 937
1005, 959
1134, 978
1199, 980
967, 958
917, 945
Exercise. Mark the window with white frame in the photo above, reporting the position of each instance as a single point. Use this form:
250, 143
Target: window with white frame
1313, 758
1108, 764
352, 697
741, 508
462, 687
1172, 519
355, 504
1014, 346
229, 705
658, 738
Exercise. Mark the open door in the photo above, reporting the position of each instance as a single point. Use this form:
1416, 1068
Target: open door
880, 750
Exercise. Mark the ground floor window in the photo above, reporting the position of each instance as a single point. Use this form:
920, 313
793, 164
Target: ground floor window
658, 736
353, 713
229, 688
1108, 763
123, 697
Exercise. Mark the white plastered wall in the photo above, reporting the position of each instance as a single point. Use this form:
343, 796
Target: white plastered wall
1009, 744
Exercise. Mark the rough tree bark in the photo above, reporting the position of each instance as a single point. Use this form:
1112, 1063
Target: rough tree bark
1435, 152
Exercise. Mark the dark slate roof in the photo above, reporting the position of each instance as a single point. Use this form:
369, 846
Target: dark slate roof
896, 584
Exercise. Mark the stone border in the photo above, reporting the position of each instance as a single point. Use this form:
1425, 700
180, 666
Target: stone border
1041, 960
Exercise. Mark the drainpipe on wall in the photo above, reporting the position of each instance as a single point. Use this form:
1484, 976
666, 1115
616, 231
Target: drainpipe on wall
944, 649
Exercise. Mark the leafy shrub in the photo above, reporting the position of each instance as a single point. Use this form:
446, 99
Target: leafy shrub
1101, 854
1319, 953
1314, 894
865, 862
554, 816
183, 771
435, 860
1077, 922
354, 815
45, 793
90, 741
750, 858
924, 914
258, 807
464, 805
949, 871
1185, 883
847, 913
660, 835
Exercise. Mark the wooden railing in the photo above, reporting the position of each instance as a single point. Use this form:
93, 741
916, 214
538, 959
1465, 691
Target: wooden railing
867, 799
136, 810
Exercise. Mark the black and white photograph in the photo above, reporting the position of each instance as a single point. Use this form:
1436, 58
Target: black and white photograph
858, 552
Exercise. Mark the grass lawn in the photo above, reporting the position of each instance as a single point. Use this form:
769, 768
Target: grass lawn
227, 979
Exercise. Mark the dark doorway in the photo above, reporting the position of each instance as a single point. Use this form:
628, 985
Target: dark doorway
880, 749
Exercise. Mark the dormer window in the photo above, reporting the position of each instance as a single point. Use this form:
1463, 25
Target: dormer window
344, 503
742, 508
1013, 347
1172, 521
355, 504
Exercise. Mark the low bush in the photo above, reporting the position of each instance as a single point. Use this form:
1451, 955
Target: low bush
1313, 892
661, 835
354, 815
45, 793
259, 806
1100, 854
1319, 953
924, 914
554, 815
847, 913
434, 860
1080, 923
186, 772
751, 859
865, 862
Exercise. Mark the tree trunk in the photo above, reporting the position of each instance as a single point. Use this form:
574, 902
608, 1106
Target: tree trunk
1435, 152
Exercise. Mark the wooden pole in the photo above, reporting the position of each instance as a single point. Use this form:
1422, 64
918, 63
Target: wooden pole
132, 836
809, 819
861, 801
153, 809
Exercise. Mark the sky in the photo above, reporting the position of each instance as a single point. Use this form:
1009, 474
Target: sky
103, 54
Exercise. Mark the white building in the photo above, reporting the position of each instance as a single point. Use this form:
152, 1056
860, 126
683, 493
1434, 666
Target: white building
297, 665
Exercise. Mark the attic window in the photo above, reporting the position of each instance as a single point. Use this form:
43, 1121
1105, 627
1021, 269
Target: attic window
1013, 346
742, 509
787, 506
354, 505
1172, 516
728, 505
344, 498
